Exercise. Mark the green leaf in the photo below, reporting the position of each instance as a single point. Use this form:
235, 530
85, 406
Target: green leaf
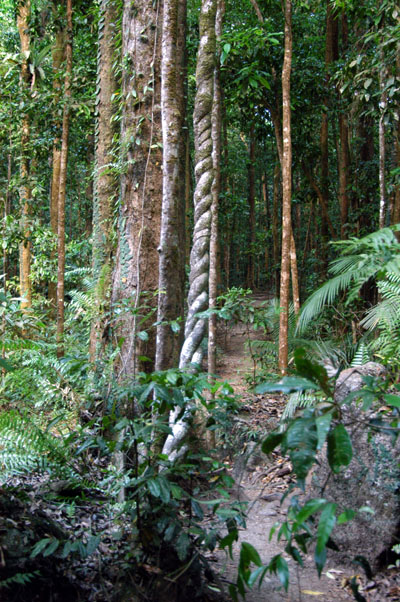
40, 546
271, 442
301, 441
143, 335
279, 566
249, 554
52, 547
340, 451
182, 546
5, 365
347, 515
392, 400
311, 370
309, 508
326, 523
92, 544
288, 384
165, 490
228, 540
323, 425
154, 487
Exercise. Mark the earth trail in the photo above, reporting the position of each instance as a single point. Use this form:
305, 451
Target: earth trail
263, 497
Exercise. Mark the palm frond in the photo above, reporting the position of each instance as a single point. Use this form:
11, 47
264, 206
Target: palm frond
322, 297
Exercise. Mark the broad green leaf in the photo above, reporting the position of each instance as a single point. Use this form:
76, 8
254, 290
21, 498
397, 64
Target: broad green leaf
271, 442
323, 425
249, 554
288, 384
392, 400
154, 487
326, 523
340, 450
310, 508
311, 370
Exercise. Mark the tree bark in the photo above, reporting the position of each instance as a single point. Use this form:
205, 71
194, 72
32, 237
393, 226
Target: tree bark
136, 268
204, 174
331, 45
287, 192
195, 327
172, 248
343, 154
382, 146
216, 126
58, 57
295, 275
275, 223
252, 213
63, 184
105, 183
23, 17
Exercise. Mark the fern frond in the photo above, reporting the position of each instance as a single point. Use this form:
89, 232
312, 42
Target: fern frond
24, 447
300, 399
361, 355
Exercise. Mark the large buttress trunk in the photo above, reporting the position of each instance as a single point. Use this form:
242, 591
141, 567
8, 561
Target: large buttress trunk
25, 194
172, 236
136, 266
105, 184
287, 192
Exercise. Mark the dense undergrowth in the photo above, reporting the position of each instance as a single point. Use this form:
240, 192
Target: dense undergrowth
61, 418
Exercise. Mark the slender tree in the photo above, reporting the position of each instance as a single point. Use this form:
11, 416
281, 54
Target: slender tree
25, 194
172, 236
63, 183
287, 191
58, 58
106, 184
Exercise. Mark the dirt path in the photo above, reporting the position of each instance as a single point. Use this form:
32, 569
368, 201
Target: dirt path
261, 483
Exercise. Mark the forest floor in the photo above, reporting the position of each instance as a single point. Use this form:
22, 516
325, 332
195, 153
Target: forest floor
260, 483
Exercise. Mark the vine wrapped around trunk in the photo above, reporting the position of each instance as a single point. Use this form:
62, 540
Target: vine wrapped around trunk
195, 327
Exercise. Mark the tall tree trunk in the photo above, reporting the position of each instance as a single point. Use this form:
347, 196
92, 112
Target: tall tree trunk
58, 57
275, 223
295, 275
343, 154
136, 267
63, 184
395, 217
287, 192
331, 46
23, 18
382, 146
216, 188
105, 183
195, 327
171, 249
252, 213
6, 212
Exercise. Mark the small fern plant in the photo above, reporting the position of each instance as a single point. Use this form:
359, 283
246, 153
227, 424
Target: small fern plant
26, 448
